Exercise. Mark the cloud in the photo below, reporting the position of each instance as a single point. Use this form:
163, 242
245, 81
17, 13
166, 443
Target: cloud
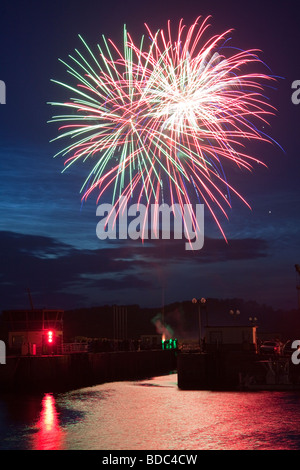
214, 250
57, 272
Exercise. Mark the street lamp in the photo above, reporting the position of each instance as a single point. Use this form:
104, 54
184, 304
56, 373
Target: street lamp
253, 320
234, 313
200, 302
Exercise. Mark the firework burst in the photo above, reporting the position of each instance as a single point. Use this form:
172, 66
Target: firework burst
159, 120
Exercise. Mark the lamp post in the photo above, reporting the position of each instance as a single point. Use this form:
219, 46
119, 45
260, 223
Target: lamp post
253, 320
200, 302
234, 313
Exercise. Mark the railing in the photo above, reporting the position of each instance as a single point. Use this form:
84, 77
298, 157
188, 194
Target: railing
71, 348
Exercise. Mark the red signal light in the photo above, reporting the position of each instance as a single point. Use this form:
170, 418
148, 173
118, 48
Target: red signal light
50, 336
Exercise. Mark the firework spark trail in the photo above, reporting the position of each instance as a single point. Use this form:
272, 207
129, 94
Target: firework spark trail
164, 116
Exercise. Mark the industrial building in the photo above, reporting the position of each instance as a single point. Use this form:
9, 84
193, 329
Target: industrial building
34, 331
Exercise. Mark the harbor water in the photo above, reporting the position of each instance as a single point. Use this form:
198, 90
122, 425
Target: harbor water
150, 414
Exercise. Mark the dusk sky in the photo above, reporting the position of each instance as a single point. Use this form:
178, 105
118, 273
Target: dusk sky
48, 241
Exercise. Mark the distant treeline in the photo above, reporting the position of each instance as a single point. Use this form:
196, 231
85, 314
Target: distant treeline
177, 320
180, 319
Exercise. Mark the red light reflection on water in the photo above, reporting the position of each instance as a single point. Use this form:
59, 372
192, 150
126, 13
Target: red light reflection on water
49, 435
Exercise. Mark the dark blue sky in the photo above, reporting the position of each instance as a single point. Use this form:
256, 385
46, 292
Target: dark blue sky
48, 240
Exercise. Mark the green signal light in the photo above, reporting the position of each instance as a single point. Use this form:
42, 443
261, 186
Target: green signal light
169, 343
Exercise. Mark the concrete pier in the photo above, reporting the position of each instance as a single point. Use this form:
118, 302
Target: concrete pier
234, 370
207, 371
70, 371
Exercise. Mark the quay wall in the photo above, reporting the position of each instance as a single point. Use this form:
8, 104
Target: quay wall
214, 371
235, 370
70, 371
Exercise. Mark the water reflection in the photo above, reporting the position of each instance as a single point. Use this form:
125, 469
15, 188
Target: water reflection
49, 435
150, 415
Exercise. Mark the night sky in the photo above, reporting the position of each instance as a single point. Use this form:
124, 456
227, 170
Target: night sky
48, 239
